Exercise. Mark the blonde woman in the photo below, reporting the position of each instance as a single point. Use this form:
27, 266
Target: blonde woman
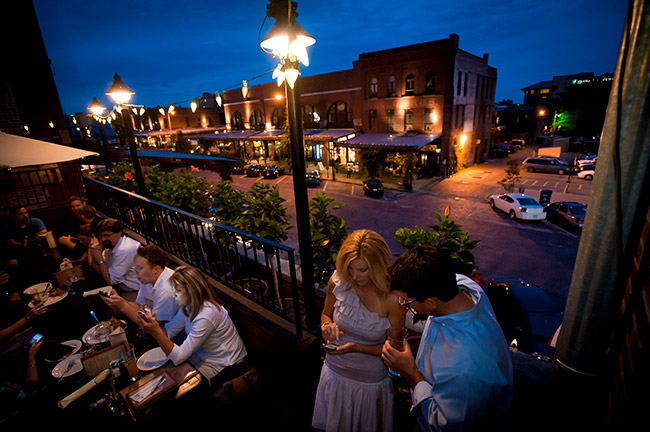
212, 341
355, 392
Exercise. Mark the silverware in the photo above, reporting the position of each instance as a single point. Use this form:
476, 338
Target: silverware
160, 381
67, 369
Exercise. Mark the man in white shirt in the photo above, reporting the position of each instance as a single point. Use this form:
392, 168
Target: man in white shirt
461, 379
112, 256
155, 292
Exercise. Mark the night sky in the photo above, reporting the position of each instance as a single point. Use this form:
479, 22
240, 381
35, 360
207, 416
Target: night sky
172, 51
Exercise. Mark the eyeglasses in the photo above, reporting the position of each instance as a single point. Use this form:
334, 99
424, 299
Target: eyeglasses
406, 303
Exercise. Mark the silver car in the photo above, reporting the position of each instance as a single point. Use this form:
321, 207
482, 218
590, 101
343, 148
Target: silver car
544, 164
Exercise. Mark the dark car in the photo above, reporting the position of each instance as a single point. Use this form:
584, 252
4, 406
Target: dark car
271, 172
253, 171
501, 150
587, 166
238, 170
566, 214
544, 164
373, 187
313, 178
525, 313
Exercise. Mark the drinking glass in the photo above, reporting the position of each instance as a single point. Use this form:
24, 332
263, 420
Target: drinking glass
396, 336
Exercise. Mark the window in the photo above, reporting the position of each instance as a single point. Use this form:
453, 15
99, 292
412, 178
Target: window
187, 122
372, 120
257, 120
278, 118
460, 116
465, 85
428, 119
542, 91
460, 81
409, 85
430, 85
390, 87
309, 117
339, 114
373, 87
236, 120
390, 117
408, 119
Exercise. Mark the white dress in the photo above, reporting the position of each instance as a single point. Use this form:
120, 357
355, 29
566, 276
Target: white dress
354, 392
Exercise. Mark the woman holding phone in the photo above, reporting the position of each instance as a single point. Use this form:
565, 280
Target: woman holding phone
212, 341
355, 392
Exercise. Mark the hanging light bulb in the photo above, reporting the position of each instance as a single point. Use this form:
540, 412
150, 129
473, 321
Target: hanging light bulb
193, 105
217, 97
278, 74
171, 109
142, 111
108, 119
113, 115
244, 89
119, 108
135, 111
291, 75
161, 110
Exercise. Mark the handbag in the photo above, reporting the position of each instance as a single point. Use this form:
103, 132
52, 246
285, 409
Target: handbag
234, 382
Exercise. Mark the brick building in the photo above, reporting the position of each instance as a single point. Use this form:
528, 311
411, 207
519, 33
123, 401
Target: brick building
435, 93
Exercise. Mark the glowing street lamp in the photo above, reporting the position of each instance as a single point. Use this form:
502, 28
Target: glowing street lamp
288, 41
121, 94
98, 112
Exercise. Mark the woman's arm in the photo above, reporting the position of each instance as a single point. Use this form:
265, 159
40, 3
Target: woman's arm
329, 328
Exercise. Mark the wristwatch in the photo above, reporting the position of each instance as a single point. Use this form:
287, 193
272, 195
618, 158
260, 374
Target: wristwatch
100, 262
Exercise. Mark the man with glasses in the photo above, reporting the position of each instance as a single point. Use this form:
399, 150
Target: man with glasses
461, 378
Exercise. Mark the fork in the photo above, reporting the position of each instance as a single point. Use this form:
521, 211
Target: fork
67, 369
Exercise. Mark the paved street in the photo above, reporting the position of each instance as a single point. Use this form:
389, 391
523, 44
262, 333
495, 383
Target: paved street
540, 252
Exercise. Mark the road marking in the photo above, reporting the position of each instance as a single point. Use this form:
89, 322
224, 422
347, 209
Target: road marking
545, 183
281, 179
325, 186
556, 183
524, 182
352, 190
535, 182
579, 187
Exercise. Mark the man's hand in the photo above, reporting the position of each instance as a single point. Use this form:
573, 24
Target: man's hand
114, 300
66, 241
95, 251
402, 362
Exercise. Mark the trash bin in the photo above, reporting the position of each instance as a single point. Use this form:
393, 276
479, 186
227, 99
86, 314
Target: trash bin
545, 196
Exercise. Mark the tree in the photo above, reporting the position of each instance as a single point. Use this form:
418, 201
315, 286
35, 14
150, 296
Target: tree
506, 102
327, 234
183, 144
512, 175
373, 161
228, 204
447, 236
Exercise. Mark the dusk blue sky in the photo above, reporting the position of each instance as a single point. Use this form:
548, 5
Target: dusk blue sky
172, 51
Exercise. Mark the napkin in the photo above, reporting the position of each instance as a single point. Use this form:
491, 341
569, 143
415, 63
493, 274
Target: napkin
83, 390
154, 386
96, 291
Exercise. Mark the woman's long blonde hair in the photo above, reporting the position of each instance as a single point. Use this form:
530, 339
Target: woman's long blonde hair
197, 287
372, 248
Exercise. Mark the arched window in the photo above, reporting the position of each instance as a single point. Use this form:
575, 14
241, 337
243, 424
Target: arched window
278, 117
310, 118
236, 120
430, 87
390, 86
409, 85
257, 120
373, 87
339, 115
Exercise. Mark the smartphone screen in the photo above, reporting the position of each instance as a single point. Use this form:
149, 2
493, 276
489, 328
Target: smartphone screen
330, 347
35, 339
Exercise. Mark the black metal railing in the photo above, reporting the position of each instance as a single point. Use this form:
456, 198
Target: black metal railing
259, 269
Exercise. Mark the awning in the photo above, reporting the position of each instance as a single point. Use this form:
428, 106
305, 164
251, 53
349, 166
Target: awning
17, 151
231, 135
395, 141
329, 134
186, 131
155, 154
268, 135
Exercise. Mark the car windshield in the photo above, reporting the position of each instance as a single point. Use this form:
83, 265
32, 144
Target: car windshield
527, 201
576, 210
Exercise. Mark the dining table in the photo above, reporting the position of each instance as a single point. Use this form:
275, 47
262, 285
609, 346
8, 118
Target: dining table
120, 377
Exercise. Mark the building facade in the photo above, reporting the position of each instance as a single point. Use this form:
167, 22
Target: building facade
433, 89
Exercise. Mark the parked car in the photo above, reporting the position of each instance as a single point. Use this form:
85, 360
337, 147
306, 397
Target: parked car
373, 187
253, 171
566, 214
518, 206
313, 178
501, 150
525, 313
586, 167
542, 164
518, 142
271, 172
591, 159
587, 174
238, 170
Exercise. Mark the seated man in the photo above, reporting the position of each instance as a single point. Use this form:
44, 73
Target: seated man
69, 220
22, 230
155, 291
88, 215
462, 376
113, 257
23, 254
76, 248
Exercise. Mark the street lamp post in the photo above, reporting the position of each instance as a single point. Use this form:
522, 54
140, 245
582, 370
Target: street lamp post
98, 110
121, 94
288, 40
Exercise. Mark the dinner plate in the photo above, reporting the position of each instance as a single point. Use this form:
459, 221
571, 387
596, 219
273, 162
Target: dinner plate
152, 359
41, 287
60, 369
89, 337
72, 343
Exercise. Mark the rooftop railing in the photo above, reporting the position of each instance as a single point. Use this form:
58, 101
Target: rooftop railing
261, 270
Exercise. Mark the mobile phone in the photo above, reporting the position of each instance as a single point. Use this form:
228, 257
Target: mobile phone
103, 293
330, 347
35, 339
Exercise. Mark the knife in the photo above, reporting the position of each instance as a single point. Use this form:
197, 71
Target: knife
67, 369
160, 381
